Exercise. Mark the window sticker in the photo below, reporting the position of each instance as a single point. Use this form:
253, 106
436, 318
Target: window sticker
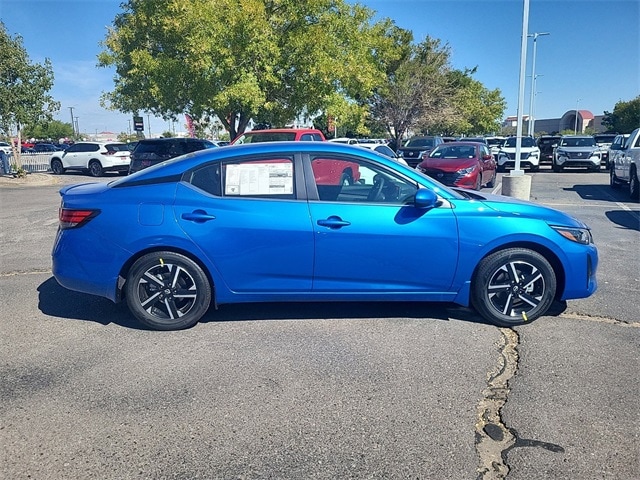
259, 179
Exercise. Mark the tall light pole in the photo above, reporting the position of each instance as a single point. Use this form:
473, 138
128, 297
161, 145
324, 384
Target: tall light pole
533, 80
575, 129
73, 125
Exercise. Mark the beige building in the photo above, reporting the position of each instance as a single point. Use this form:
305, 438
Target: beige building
576, 120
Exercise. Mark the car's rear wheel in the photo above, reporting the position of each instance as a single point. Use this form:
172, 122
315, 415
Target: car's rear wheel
513, 286
614, 181
634, 185
95, 168
167, 291
56, 167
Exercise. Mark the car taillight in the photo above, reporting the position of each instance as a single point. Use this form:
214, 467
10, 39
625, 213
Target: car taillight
73, 218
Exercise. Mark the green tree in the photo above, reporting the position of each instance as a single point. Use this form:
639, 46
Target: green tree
24, 88
473, 109
53, 130
271, 60
625, 116
417, 90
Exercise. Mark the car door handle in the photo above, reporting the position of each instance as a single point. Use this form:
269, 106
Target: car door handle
198, 216
333, 222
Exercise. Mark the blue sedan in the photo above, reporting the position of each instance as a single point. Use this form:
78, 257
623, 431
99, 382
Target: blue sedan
312, 221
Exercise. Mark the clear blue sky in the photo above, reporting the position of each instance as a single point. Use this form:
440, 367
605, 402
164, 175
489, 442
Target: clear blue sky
590, 59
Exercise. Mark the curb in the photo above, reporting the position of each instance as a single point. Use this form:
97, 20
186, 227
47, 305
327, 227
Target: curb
31, 180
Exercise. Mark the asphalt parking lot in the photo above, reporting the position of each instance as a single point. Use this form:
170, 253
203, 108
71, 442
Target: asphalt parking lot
319, 390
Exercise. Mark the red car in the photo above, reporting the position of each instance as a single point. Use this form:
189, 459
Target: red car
460, 164
280, 135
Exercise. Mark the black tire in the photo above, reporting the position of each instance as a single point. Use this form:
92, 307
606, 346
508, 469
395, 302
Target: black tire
556, 168
535, 168
56, 167
95, 168
167, 291
492, 183
513, 286
501, 168
634, 184
614, 182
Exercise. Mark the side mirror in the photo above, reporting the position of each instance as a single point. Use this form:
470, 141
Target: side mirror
425, 199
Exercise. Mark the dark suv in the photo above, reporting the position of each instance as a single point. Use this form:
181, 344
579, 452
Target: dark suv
155, 150
416, 147
547, 144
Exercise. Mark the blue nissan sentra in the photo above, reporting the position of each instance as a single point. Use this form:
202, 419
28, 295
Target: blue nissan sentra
312, 221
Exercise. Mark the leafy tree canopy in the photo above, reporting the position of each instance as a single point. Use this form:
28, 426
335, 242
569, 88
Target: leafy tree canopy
417, 90
54, 130
24, 88
625, 116
272, 60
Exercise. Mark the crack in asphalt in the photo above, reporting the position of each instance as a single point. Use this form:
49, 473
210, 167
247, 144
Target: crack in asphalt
494, 439
35, 271
492, 436
600, 319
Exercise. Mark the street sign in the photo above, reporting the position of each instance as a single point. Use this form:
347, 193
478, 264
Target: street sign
138, 124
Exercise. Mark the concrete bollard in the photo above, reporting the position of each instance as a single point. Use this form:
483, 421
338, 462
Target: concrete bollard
516, 186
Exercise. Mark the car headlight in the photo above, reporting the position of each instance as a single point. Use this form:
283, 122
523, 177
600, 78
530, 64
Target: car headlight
578, 235
420, 169
561, 153
466, 171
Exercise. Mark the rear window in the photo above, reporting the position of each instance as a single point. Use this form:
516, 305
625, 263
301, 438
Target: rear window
117, 147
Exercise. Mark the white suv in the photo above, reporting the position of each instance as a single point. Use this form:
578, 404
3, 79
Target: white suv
529, 154
93, 157
5, 147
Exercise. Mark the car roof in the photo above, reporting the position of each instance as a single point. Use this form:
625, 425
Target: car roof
281, 130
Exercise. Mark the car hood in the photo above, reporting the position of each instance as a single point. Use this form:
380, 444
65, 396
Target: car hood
448, 164
513, 207
522, 149
578, 149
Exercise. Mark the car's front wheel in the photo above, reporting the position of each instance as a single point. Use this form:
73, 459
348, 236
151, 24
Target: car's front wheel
513, 286
95, 168
167, 291
56, 167
556, 168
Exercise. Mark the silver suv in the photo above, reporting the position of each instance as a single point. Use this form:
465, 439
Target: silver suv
577, 151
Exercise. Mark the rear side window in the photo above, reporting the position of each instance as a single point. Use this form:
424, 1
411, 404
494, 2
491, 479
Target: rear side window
268, 178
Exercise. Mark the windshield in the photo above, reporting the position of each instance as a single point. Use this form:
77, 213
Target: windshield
578, 142
420, 142
526, 142
493, 142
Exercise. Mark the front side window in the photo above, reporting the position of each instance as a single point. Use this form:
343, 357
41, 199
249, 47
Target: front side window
349, 180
